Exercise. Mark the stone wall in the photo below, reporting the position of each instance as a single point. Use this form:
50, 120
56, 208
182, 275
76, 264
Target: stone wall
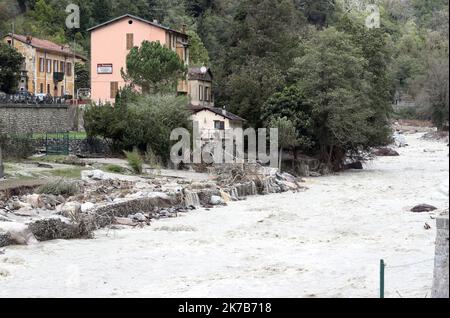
440, 282
21, 119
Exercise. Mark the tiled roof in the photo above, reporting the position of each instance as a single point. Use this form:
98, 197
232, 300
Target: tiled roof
130, 16
218, 111
45, 45
195, 73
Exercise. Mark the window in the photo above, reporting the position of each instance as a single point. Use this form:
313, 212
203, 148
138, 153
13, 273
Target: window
55, 66
41, 90
49, 66
207, 94
130, 41
69, 69
218, 124
200, 92
48, 88
62, 91
9, 42
114, 89
41, 65
62, 67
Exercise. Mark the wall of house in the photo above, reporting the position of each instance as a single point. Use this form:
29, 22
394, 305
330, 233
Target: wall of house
109, 46
207, 118
21, 119
194, 93
29, 53
45, 79
36, 77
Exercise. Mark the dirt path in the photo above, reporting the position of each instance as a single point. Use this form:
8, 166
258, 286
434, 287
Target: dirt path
325, 242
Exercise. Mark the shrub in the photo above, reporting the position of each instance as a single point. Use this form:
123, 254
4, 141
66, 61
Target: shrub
135, 160
114, 169
60, 187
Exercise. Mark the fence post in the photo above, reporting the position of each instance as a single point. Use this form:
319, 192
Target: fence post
382, 266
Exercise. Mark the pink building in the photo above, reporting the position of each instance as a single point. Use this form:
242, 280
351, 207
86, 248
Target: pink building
111, 43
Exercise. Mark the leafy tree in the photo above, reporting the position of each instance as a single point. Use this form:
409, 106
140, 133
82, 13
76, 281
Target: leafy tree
153, 67
101, 11
82, 77
198, 54
262, 44
290, 103
333, 76
10, 64
287, 135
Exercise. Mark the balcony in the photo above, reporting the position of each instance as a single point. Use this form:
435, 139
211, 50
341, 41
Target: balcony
58, 76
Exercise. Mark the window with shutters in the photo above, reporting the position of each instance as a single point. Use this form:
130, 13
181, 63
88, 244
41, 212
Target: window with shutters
62, 67
200, 92
130, 41
207, 94
41, 88
55, 66
49, 66
69, 69
114, 89
48, 88
41, 65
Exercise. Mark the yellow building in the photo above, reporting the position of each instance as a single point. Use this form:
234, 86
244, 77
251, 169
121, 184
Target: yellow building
48, 67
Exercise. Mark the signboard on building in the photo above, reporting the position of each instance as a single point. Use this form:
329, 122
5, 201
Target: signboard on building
104, 68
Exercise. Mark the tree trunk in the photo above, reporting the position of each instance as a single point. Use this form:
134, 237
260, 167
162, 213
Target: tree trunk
280, 159
2, 171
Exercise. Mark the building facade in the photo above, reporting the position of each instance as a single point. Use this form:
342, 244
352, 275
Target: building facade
48, 67
112, 41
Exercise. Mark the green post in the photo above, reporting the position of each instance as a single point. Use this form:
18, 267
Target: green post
382, 266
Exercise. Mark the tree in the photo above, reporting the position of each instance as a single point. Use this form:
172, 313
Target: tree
333, 76
101, 11
82, 77
290, 103
153, 67
287, 135
261, 45
10, 65
198, 54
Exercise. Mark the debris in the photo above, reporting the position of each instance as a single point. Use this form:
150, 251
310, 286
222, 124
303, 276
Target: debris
44, 165
423, 208
354, 165
125, 221
427, 226
386, 152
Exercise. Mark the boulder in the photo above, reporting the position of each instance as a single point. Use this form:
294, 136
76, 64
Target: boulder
216, 200
423, 208
85, 207
95, 175
17, 233
55, 228
34, 200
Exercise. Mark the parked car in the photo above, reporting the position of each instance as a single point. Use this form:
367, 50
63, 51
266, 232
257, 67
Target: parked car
42, 98
23, 97
3, 97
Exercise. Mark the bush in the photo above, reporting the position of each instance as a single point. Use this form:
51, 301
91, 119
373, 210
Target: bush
60, 187
17, 146
143, 122
114, 169
135, 160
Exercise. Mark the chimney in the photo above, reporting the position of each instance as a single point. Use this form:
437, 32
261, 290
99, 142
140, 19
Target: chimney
184, 28
29, 39
224, 111
155, 21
